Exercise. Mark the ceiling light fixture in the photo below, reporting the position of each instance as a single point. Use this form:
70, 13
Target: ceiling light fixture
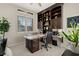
39, 4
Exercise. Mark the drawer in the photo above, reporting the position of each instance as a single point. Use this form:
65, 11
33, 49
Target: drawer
35, 45
36, 41
32, 45
35, 49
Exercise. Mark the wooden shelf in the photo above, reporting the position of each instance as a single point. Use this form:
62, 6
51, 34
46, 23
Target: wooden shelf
53, 14
54, 11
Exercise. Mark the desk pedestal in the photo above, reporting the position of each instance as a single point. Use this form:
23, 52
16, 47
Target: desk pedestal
32, 45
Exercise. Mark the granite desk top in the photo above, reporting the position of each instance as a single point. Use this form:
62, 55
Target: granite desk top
31, 37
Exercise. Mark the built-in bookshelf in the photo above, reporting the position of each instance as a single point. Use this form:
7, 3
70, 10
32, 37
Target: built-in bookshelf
45, 21
40, 22
56, 17
50, 17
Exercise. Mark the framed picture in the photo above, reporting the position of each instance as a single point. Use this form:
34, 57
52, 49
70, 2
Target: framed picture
72, 20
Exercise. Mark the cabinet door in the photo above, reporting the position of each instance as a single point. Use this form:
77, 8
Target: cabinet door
59, 23
29, 44
35, 43
54, 23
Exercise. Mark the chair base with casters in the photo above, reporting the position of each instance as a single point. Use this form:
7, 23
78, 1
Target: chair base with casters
45, 45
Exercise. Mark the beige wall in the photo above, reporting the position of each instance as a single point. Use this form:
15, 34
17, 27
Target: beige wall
69, 10
10, 12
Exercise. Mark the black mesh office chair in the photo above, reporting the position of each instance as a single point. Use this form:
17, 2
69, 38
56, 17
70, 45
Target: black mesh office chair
47, 39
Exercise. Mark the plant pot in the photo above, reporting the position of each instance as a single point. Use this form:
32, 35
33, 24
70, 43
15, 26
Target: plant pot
73, 48
2, 46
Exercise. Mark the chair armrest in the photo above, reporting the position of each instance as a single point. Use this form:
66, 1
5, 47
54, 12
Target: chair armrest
44, 37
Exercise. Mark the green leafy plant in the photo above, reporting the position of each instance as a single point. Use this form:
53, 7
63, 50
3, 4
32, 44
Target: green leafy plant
73, 35
4, 26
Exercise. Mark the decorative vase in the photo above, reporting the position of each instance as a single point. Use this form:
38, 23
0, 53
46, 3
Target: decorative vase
73, 48
3, 43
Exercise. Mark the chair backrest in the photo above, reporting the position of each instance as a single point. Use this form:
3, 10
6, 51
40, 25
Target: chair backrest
49, 37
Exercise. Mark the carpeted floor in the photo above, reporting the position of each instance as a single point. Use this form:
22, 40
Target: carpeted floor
20, 50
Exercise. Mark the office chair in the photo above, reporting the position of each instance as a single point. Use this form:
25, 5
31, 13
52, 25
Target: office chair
47, 39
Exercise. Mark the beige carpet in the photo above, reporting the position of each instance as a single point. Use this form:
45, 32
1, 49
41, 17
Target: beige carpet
20, 50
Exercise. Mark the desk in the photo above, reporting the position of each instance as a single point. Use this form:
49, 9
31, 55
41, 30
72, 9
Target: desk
32, 37
59, 37
57, 40
32, 42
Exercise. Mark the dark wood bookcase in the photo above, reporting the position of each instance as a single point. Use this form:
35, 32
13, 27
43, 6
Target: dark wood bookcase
46, 21
40, 21
50, 17
56, 18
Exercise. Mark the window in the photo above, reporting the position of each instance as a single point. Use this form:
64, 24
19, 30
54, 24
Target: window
21, 23
25, 22
29, 24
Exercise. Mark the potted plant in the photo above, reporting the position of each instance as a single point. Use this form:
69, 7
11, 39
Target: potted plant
4, 27
73, 37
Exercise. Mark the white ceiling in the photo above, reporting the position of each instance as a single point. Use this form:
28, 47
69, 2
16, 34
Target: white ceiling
34, 6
